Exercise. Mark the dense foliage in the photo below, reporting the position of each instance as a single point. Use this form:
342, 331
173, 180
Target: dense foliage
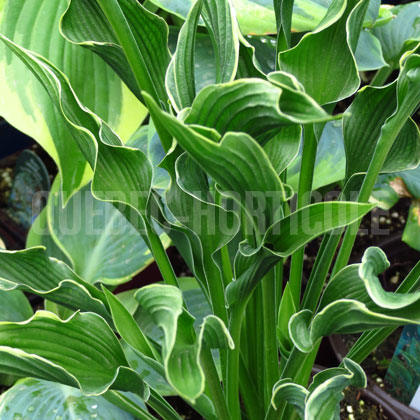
216, 126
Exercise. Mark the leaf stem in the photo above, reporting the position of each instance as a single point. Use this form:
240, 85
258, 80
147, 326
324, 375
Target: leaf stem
271, 357
160, 256
303, 199
381, 76
389, 134
214, 384
232, 391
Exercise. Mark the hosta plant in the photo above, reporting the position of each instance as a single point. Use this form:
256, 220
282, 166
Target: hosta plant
175, 122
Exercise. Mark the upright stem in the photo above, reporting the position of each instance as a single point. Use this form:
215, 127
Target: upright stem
271, 357
232, 391
160, 256
381, 152
382, 75
213, 381
303, 199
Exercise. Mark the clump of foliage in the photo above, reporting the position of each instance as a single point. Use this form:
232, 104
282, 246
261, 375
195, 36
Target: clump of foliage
194, 147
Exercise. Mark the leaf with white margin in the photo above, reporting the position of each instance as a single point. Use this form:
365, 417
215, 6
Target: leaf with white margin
354, 301
322, 399
33, 271
86, 23
323, 61
23, 103
98, 240
180, 75
103, 366
255, 107
32, 399
181, 347
121, 174
400, 33
283, 238
371, 111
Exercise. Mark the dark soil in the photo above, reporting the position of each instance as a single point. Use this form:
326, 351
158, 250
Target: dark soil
357, 407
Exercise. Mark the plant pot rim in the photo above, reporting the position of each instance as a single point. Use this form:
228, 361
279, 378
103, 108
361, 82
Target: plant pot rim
373, 391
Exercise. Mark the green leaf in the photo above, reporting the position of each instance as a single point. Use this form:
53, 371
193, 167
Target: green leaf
261, 110
362, 306
257, 16
180, 76
330, 159
283, 148
322, 401
286, 310
324, 78
221, 23
283, 238
127, 327
31, 270
132, 40
122, 174
100, 243
369, 52
32, 399
181, 347
14, 306
29, 108
411, 234
40, 235
103, 365
371, 112
401, 32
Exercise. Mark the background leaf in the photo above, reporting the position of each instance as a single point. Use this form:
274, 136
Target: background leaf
24, 103
32, 399
99, 241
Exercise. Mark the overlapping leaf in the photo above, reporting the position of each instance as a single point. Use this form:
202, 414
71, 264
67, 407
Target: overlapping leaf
323, 61
257, 17
100, 243
354, 301
14, 306
286, 236
255, 107
24, 103
181, 347
372, 113
31, 270
103, 365
122, 174
140, 58
400, 33
322, 399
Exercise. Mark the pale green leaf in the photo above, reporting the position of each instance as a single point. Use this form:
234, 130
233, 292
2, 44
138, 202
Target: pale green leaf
100, 243
23, 102
14, 306
32, 399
